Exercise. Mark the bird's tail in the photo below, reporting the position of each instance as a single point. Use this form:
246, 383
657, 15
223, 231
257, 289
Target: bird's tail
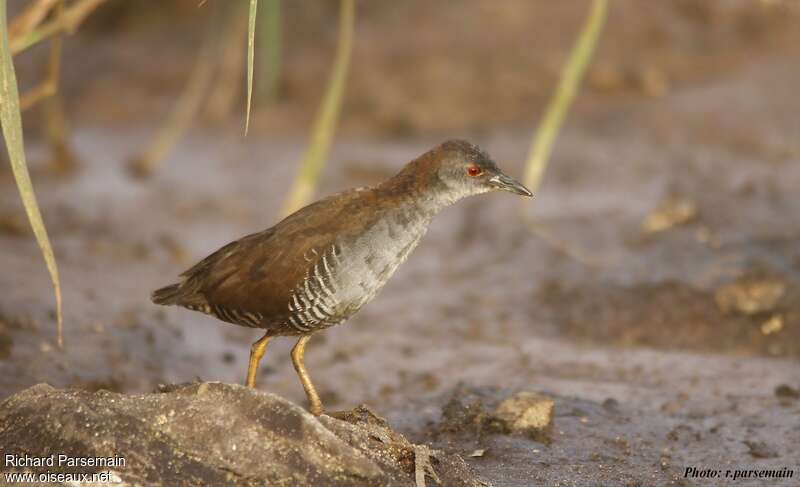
167, 295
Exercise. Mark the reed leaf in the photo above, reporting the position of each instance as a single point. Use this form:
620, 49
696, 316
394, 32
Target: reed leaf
12, 133
269, 42
571, 76
325, 123
251, 47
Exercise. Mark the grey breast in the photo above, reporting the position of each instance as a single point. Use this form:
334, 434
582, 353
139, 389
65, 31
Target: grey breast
350, 272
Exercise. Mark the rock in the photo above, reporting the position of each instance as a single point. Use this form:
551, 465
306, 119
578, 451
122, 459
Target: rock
474, 412
750, 295
772, 325
527, 413
218, 434
669, 213
759, 449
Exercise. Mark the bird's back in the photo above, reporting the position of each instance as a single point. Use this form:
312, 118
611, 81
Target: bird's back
312, 270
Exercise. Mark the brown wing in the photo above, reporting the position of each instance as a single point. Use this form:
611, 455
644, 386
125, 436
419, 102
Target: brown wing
257, 273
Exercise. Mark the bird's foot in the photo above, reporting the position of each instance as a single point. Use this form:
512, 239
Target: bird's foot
315, 404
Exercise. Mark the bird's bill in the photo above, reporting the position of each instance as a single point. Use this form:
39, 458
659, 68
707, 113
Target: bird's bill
507, 183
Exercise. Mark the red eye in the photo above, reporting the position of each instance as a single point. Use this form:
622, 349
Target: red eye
474, 171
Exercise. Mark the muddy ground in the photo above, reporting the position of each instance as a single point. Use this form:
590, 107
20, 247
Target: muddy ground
652, 287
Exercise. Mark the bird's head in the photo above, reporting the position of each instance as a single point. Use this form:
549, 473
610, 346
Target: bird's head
449, 172
463, 169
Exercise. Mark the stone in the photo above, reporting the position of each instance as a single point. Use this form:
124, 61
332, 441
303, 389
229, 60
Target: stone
750, 295
759, 449
218, 434
527, 413
669, 213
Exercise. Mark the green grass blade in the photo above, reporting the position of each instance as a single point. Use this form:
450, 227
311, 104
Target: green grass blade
12, 132
251, 43
571, 76
269, 43
325, 123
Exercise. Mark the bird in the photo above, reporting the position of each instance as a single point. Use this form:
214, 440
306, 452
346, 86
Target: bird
321, 264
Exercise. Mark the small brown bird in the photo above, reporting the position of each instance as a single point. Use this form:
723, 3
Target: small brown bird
321, 264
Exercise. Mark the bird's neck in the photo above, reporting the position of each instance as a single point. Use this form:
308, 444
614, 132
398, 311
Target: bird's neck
419, 190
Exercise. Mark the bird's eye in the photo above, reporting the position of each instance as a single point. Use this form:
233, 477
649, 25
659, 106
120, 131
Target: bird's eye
474, 171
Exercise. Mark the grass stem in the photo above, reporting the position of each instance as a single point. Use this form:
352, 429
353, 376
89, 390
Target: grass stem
571, 76
313, 161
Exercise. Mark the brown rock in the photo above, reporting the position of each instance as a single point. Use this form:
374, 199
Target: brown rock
750, 296
218, 434
669, 213
527, 413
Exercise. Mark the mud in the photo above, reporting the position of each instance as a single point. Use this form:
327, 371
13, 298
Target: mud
631, 326
677, 315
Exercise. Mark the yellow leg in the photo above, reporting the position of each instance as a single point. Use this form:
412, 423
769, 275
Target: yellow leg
315, 405
256, 352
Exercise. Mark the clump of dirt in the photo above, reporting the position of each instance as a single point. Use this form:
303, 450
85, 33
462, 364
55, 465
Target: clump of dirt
750, 295
528, 413
760, 449
472, 413
786, 391
465, 413
753, 314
